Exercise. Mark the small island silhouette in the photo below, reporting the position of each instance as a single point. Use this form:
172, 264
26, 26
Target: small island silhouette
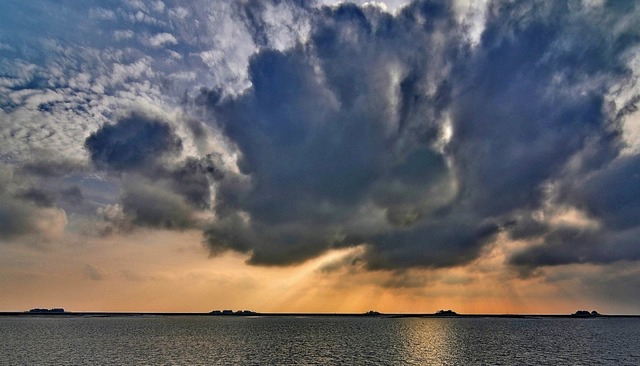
585, 314
46, 311
39, 312
446, 313
231, 312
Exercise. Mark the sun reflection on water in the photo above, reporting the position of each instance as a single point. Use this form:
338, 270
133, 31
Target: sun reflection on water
427, 341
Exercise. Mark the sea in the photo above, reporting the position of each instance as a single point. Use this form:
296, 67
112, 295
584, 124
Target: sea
325, 340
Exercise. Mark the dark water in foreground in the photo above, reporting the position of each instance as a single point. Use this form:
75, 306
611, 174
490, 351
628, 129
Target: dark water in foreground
184, 340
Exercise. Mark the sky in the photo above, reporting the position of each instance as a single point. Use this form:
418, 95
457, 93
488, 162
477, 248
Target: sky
320, 156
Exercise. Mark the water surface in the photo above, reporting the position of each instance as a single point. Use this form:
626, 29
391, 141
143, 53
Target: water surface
192, 340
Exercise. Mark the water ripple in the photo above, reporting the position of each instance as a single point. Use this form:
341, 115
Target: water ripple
317, 341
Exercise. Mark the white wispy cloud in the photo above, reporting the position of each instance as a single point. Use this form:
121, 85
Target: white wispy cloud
162, 39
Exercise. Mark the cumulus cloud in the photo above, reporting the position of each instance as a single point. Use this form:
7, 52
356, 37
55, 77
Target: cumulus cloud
134, 142
340, 153
433, 142
159, 189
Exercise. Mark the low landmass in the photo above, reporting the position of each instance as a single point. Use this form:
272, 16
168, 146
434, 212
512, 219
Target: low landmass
370, 313
446, 313
585, 314
46, 311
231, 312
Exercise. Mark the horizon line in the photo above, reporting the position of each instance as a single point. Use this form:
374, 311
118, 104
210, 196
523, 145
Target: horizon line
247, 313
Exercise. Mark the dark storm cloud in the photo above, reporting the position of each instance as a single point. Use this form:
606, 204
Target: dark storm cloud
344, 126
135, 141
344, 140
167, 198
612, 195
155, 192
566, 122
534, 102
193, 179
444, 243
151, 205
39, 197
21, 207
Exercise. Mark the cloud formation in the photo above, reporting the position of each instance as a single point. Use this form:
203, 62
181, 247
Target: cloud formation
611, 196
158, 189
27, 212
135, 142
428, 146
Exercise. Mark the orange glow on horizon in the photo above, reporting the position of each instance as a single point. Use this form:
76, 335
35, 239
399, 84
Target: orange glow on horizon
171, 272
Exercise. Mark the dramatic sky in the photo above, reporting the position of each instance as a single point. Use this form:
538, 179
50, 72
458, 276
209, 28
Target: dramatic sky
291, 155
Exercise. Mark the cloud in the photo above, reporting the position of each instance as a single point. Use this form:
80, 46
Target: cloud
51, 166
134, 142
158, 188
27, 212
340, 154
94, 273
102, 14
72, 195
434, 142
611, 197
150, 205
15, 219
567, 153
162, 39
38, 197
194, 179
275, 24
123, 34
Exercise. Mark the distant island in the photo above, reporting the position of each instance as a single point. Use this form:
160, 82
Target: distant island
231, 312
446, 313
585, 314
38, 312
47, 311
